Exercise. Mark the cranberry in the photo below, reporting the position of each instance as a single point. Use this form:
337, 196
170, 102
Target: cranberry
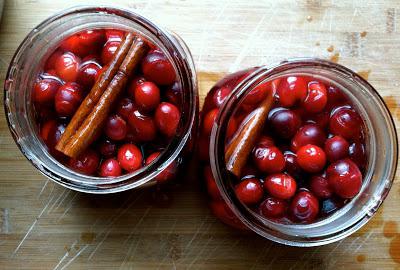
208, 121
143, 126
346, 123
308, 134
67, 66
147, 96
280, 185
311, 158
174, 94
317, 97
268, 159
84, 42
115, 128
87, 74
221, 210
85, 163
345, 178
114, 35
108, 148
109, 50
292, 166
257, 94
130, 157
320, 119
264, 141
358, 154
157, 68
212, 187
290, 90
336, 148
125, 107
51, 61
167, 174
220, 95
284, 123
167, 118
51, 131
68, 98
335, 97
273, 207
249, 191
304, 207
110, 168
320, 187
45, 90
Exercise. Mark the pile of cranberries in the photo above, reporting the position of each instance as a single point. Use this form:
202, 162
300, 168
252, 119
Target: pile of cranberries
141, 124
309, 160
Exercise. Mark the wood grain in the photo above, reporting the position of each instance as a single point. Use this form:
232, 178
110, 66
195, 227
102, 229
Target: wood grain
44, 226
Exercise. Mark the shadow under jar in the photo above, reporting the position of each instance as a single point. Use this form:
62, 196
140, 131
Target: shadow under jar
56, 66
323, 163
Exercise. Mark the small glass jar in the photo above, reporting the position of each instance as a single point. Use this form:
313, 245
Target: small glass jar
28, 61
380, 140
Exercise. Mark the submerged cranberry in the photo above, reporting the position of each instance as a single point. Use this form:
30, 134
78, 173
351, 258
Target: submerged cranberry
212, 187
51, 61
143, 126
257, 94
308, 134
264, 141
249, 191
85, 163
336, 148
87, 74
67, 66
304, 207
284, 122
130, 157
157, 68
311, 158
110, 168
108, 51
84, 42
335, 97
68, 98
168, 173
358, 154
115, 128
317, 97
114, 35
167, 117
45, 90
268, 159
291, 90
107, 148
147, 96
174, 94
273, 207
292, 166
125, 107
320, 187
346, 123
280, 185
221, 95
344, 178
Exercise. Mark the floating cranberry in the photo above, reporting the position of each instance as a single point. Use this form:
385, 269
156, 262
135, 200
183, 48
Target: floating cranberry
125, 107
257, 94
249, 191
273, 207
280, 185
304, 207
292, 166
130, 157
110, 168
143, 126
87, 74
291, 90
168, 173
49, 133
221, 95
284, 123
344, 178
308, 134
221, 210
212, 187
84, 42
67, 66
317, 97
320, 187
268, 159
174, 94
45, 90
85, 163
147, 96
311, 158
167, 117
68, 98
107, 148
336, 148
108, 51
115, 128
346, 123
157, 68
358, 154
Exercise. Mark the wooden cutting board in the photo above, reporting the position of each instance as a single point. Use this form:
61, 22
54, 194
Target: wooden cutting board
45, 226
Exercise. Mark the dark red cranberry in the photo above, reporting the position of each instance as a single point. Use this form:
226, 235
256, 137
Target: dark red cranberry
284, 123
110, 168
291, 90
115, 128
92, 58
84, 42
304, 207
87, 74
311, 158
336, 148
125, 107
107, 148
130, 157
208, 121
358, 154
67, 66
320, 187
308, 134
346, 123
221, 210
273, 207
344, 178
257, 94
174, 94
280, 185
157, 68
51, 61
168, 173
143, 126
212, 187
45, 90
249, 191
136, 81
108, 51
268, 159
320, 119
317, 97
85, 163
291, 165
220, 95
68, 98
335, 97
167, 118
147, 96
264, 141
114, 35
51, 132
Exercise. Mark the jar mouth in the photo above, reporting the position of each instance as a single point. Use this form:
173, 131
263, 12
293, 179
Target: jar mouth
376, 183
86, 17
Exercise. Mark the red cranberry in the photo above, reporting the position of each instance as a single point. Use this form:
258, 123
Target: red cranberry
67, 66
317, 97
280, 185
157, 68
335, 97
264, 141
147, 96
346, 123
125, 107
320, 187
311, 158
174, 94
167, 174
143, 126
336, 148
292, 166
114, 35
358, 154
45, 90
257, 94
51, 61
51, 132
68, 98
284, 123
130, 157
115, 128
110, 168
304, 207
109, 50
249, 191
167, 118
85, 163
308, 134
220, 95
208, 121
291, 90
269, 159
107, 149
84, 42
320, 119
222, 211
273, 207
212, 187
344, 178
135, 82
87, 74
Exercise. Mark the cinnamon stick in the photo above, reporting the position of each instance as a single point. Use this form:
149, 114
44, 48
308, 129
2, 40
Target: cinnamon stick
93, 123
239, 149
95, 93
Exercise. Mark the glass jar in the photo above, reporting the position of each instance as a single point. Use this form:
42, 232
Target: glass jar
380, 140
28, 61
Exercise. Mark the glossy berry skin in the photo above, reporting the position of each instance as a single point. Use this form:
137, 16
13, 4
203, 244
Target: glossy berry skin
311, 158
304, 207
86, 163
107, 148
308, 134
51, 61
125, 107
143, 126
346, 123
147, 96
87, 74
166, 118
319, 186
157, 68
84, 42
110, 168
285, 123
45, 90
221, 95
292, 166
114, 35
335, 97
51, 132
115, 128
280, 185
336, 148
67, 99
268, 159
67, 67
358, 154
249, 191
174, 94
130, 157
257, 94
167, 174
108, 51
291, 90
344, 178
317, 97
212, 188
135, 81
264, 141
273, 207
